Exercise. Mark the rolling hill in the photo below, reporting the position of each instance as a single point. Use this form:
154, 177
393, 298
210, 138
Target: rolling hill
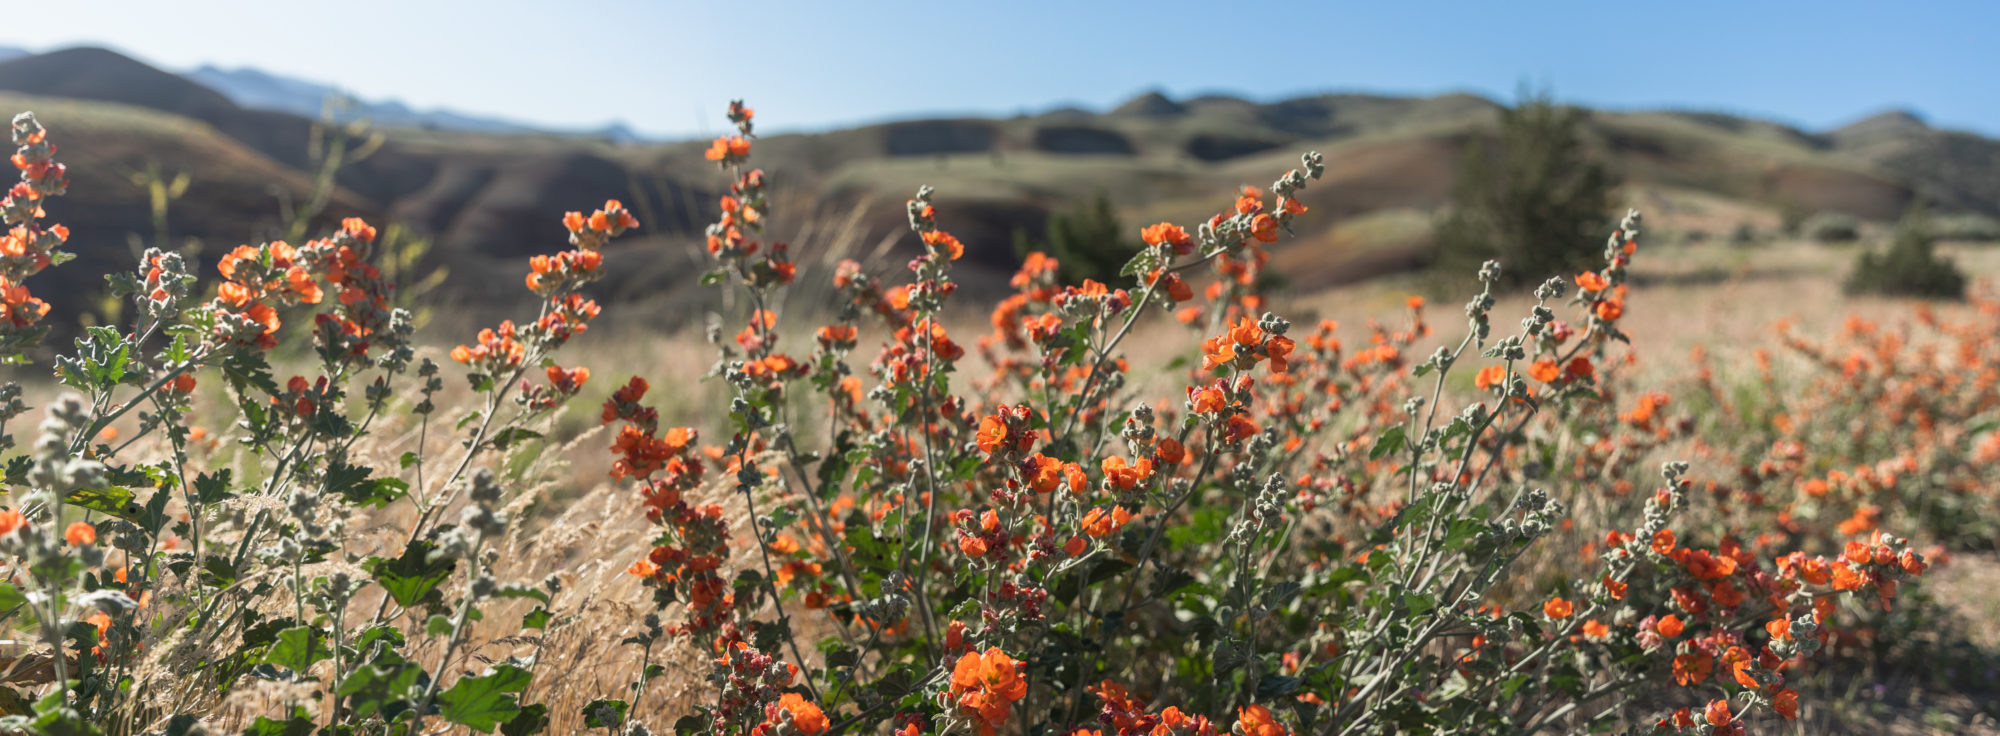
491, 199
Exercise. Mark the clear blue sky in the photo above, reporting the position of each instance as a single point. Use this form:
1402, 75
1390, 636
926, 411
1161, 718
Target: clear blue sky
669, 67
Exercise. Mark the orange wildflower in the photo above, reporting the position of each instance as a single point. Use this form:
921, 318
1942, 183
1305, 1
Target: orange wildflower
806, 717
1264, 228
1257, 720
79, 534
1692, 669
1717, 713
1557, 608
1670, 626
985, 686
1786, 703
1490, 376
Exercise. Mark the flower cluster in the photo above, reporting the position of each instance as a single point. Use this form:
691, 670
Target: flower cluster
27, 247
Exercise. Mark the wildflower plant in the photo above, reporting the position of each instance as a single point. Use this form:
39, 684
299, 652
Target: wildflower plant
1295, 535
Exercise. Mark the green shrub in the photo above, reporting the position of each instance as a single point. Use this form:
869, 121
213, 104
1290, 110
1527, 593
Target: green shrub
1831, 227
1910, 267
1744, 234
1534, 200
1089, 242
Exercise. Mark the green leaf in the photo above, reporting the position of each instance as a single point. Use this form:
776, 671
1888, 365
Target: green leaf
247, 370
518, 590
297, 648
531, 720
220, 572
714, 277
512, 436
353, 483
387, 682
410, 460
536, 619
482, 703
413, 576
1390, 441
300, 724
213, 488
615, 708
117, 501
99, 364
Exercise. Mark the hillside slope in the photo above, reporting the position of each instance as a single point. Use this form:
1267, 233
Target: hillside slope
491, 200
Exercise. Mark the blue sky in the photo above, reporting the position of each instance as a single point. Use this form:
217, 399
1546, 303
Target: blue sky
668, 68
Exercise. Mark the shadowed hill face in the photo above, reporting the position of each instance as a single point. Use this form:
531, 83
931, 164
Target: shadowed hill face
107, 76
1951, 169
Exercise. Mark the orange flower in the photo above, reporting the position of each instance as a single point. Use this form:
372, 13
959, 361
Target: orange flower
1596, 629
1245, 332
79, 534
1216, 352
1257, 720
1490, 376
727, 147
11, 520
1663, 541
1610, 310
1557, 608
1125, 476
1670, 626
1717, 713
992, 434
1170, 451
1167, 233
806, 717
985, 685
1264, 228
943, 242
1545, 371
1590, 281
1580, 367
1705, 566
643, 568
1786, 703
1279, 348
1099, 522
1208, 400
1692, 669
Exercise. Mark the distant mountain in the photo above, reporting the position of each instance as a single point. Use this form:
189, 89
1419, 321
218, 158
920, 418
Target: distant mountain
12, 52
262, 90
